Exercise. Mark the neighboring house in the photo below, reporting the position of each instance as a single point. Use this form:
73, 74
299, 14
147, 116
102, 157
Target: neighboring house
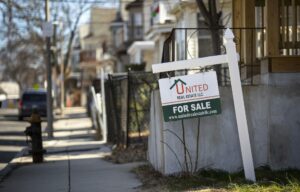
72, 82
9, 94
266, 34
92, 53
135, 21
2, 96
128, 31
160, 19
190, 36
140, 51
95, 42
75, 56
119, 42
158, 26
185, 11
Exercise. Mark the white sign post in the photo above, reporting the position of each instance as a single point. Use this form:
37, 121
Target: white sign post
103, 105
232, 59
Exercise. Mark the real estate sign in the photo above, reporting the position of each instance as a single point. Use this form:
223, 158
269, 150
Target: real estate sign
190, 96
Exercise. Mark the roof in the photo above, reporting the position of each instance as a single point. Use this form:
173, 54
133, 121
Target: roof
140, 45
88, 35
136, 3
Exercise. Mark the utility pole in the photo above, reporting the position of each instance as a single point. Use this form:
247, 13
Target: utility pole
49, 78
62, 85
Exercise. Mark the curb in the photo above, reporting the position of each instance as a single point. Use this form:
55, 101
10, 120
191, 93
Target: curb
12, 164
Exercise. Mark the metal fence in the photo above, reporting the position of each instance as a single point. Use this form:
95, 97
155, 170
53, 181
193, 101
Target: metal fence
189, 43
128, 106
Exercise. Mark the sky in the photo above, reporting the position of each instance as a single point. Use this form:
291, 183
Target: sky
99, 3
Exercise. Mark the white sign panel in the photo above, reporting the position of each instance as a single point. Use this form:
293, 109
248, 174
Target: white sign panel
190, 96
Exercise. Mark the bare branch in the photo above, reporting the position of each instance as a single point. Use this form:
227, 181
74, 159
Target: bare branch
184, 146
204, 11
72, 36
176, 156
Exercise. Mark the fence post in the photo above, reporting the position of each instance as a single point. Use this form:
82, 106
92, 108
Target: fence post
104, 120
239, 106
113, 109
126, 137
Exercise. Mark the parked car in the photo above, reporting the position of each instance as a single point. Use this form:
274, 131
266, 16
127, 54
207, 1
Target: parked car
33, 99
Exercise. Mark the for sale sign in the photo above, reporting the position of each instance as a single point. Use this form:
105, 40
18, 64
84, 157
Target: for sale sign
190, 96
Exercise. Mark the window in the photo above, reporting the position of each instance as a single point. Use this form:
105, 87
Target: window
289, 27
138, 32
204, 38
289, 24
138, 19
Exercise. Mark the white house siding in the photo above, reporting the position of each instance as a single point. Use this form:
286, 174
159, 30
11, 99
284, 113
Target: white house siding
273, 127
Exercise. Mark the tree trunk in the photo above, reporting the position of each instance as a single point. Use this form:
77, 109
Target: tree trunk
212, 18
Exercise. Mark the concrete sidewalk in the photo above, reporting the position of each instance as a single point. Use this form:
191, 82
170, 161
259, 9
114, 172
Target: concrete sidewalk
72, 163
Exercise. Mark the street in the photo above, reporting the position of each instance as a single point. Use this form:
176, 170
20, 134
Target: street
12, 138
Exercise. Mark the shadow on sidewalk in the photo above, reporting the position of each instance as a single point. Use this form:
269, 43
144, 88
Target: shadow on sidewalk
70, 116
80, 170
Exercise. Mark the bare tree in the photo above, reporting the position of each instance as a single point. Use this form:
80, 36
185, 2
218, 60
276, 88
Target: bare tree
213, 20
70, 15
22, 49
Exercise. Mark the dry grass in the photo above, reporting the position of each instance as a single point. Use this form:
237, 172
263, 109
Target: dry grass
217, 181
133, 153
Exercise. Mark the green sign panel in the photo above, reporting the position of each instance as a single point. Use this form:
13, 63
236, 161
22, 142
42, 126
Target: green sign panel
192, 109
190, 96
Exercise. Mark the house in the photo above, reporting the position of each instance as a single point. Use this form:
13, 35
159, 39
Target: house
267, 41
128, 34
72, 82
264, 42
9, 94
139, 50
119, 42
159, 27
92, 52
95, 42
278, 54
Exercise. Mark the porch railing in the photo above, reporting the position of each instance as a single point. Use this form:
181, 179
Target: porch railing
188, 43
